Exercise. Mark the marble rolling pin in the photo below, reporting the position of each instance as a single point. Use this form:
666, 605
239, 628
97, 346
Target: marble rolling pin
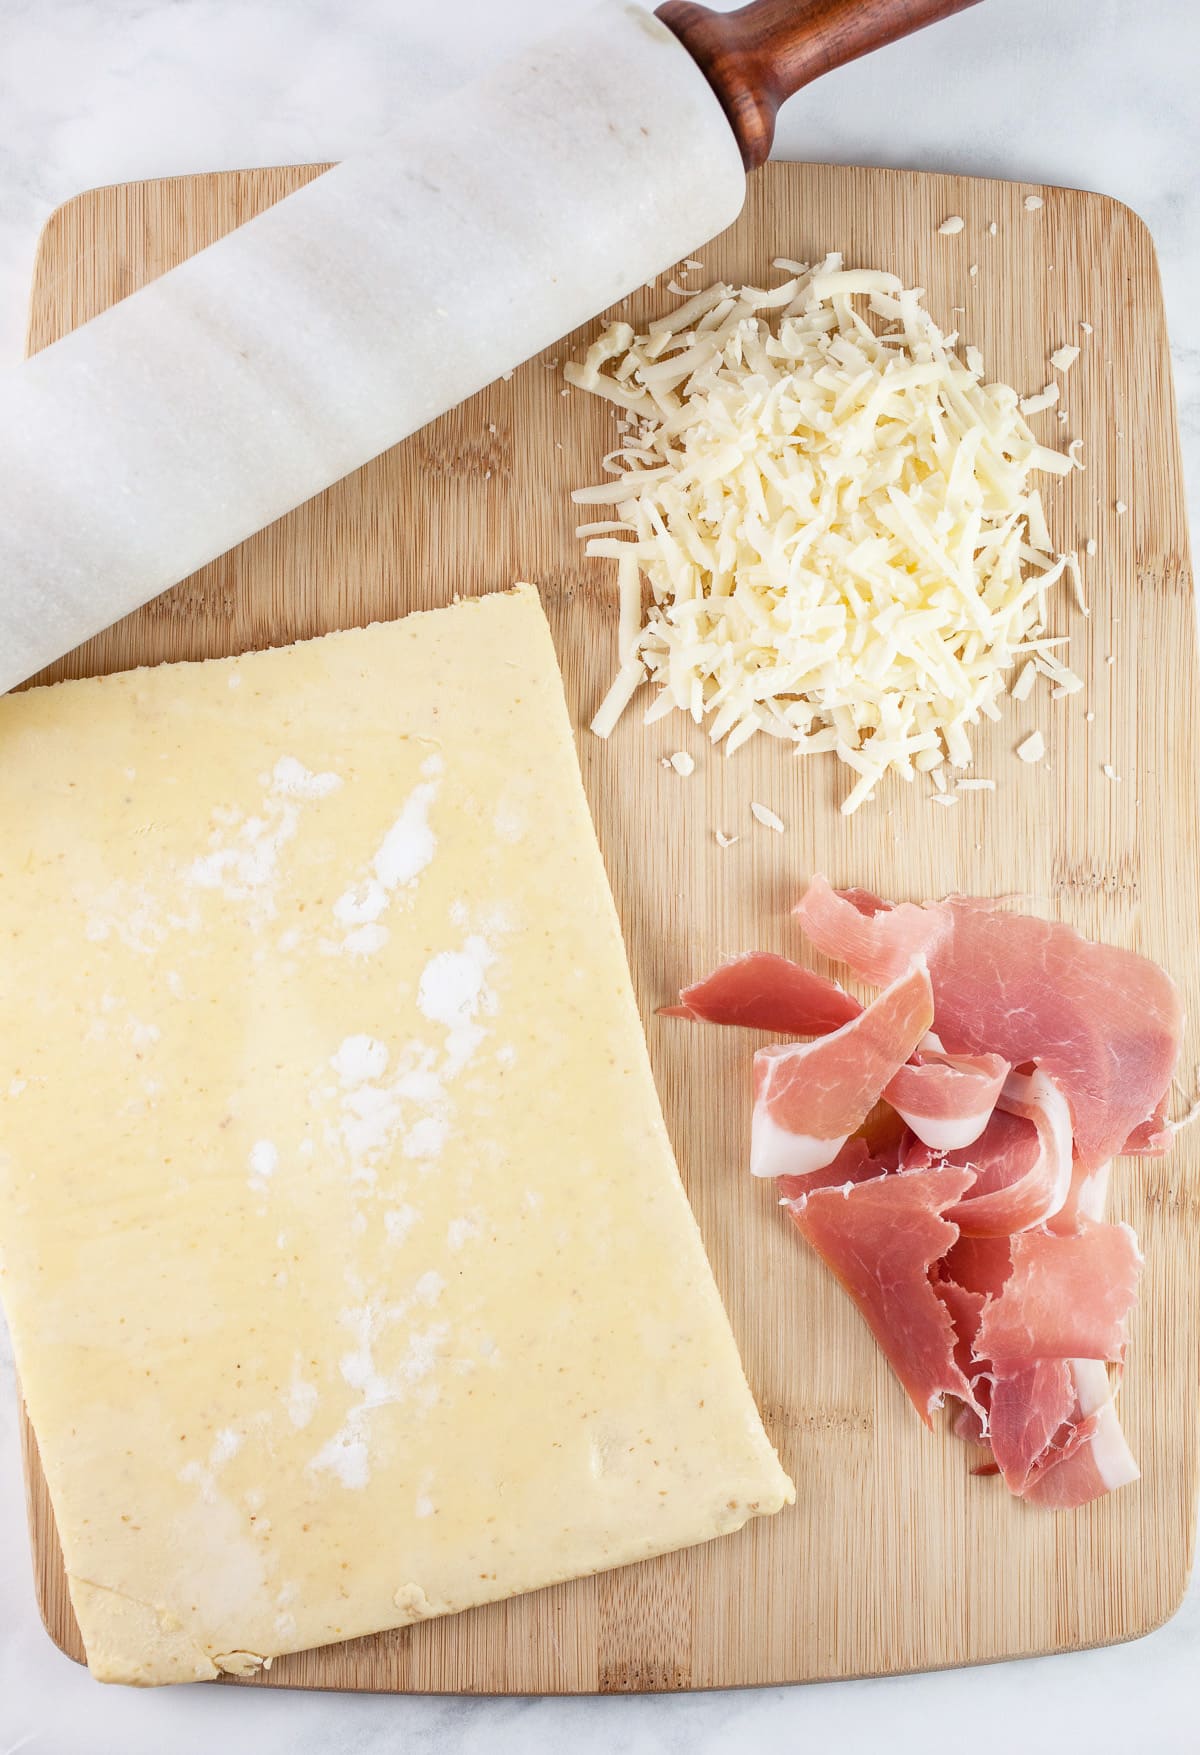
314, 337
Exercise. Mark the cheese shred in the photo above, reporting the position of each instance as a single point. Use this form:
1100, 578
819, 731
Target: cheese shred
835, 518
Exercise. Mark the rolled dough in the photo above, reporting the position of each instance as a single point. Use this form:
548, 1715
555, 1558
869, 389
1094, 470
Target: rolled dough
348, 1267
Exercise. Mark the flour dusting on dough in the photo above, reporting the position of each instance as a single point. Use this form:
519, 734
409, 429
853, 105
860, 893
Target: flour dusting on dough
347, 1453
360, 1058
302, 1398
243, 858
453, 991
405, 852
294, 780
426, 1137
399, 1221
460, 1231
264, 1158
203, 1475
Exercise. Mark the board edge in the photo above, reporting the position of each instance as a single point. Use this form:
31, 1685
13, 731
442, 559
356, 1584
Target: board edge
1139, 234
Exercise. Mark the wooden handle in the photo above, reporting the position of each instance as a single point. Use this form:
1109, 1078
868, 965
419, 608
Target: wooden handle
757, 57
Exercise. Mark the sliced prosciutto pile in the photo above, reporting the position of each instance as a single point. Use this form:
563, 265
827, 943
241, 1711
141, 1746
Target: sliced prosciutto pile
945, 1148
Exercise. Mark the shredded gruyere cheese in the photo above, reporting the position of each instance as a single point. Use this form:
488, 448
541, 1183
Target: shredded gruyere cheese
762, 813
835, 516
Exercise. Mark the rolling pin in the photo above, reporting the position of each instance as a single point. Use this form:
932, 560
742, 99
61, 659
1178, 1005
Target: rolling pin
324, 331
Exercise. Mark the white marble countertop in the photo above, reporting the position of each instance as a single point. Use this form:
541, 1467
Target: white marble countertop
1091, 93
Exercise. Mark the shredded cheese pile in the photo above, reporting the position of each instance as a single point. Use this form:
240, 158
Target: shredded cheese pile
835, 516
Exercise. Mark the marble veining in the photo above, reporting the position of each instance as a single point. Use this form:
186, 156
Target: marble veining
1090, 93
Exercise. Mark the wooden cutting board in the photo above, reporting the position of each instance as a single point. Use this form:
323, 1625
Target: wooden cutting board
894, 1557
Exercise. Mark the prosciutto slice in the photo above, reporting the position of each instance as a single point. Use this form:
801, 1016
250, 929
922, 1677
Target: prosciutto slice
858, 928
1022, 1161
1066, 1297
1104, 1023
1089, 1456
978, 1264
810, 1097
1048, 1423
881, 1238
1026, 1409
766, 992
964, 1309
947, 1099
1152, 1137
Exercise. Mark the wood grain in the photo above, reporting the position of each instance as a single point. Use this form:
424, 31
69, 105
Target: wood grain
894, 1557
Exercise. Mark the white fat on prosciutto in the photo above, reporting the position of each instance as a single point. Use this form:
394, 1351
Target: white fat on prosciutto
947, 1099
1086, 1198
810, 1097
1022, 1160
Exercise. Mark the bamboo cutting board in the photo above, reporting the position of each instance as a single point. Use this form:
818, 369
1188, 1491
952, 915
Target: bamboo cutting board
894, 1557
